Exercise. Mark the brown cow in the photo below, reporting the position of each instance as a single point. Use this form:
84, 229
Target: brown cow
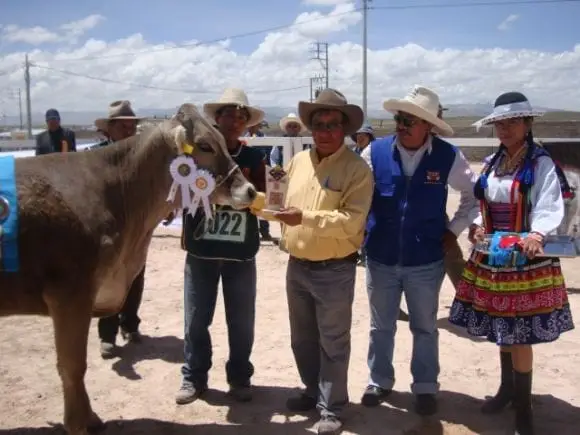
85, 223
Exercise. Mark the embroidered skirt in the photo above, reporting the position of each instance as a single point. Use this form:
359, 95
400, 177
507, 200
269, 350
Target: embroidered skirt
524, 305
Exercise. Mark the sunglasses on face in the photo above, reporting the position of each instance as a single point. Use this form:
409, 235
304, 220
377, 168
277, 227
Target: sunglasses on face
326, 126
293, 126
237, 115
405, 121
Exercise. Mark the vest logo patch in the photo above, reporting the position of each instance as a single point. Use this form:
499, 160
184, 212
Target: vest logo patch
433, 177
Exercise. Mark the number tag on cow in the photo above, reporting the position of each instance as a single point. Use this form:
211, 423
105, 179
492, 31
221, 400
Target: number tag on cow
227, 226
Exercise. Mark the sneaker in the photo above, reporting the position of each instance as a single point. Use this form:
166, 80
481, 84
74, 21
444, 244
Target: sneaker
108, 350
329, 425
426, 404
241, 393
301, 403
189, 393
373, 396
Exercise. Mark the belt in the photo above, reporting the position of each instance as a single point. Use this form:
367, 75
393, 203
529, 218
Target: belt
351, 258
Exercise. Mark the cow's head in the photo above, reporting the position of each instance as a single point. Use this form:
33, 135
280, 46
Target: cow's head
195, 136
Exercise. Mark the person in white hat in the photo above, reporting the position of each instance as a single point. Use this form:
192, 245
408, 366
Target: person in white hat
226, 250
412, 170
291, 127
520, 192
120, 124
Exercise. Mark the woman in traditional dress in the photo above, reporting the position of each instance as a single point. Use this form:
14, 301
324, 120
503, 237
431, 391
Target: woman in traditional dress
515, 307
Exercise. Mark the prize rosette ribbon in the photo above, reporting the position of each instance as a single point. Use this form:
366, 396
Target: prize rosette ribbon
189, 179
183, 171
202, 187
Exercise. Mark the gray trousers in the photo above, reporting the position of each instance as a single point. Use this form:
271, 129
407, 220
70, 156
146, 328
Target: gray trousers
320, 297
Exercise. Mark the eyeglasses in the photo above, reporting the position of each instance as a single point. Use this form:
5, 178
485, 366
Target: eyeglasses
326, 126
406, 121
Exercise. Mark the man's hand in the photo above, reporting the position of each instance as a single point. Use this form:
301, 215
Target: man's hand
476, 233
290, 216
449, 240
532, 245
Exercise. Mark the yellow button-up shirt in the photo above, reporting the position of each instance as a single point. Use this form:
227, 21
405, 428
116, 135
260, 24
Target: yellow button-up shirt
334, 195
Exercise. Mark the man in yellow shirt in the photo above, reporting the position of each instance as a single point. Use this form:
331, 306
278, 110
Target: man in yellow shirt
329, 195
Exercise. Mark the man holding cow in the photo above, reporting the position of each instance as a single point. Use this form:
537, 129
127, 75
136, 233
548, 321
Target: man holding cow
225, 249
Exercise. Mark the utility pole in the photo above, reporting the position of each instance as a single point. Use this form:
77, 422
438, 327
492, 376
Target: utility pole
364, 59
320, 53
28, 105
20, 107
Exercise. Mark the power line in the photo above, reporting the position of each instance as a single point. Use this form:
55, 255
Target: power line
470, 4
157, 88
287, 26
211, 41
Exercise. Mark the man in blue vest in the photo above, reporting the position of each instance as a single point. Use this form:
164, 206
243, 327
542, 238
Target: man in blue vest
226, 250
408, 234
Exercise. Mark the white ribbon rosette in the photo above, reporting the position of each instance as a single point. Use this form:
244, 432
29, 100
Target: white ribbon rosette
183, 171
202, 187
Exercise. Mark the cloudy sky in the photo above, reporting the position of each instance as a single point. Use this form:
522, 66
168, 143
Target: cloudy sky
159, 54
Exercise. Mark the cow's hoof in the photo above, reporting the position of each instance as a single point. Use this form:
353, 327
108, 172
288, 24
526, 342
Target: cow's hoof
96, 425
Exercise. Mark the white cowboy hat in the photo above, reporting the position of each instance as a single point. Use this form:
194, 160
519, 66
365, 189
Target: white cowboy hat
291, 118
509, 105
117, 110
422, 103
234, 97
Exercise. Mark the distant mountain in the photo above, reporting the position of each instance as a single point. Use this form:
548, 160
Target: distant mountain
273, 114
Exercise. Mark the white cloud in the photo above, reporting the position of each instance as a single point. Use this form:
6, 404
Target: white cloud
37, 35
281, 61
324, 2
507, 23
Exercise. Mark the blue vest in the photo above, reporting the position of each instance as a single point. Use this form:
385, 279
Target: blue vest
408, 216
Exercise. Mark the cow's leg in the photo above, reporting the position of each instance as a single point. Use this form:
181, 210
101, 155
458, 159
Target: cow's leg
71, 320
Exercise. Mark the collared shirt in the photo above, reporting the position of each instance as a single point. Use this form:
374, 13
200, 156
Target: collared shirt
334, 195
461, 178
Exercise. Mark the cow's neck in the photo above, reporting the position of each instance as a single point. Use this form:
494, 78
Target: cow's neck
141, 181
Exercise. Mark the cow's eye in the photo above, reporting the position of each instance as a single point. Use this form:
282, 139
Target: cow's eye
205, 147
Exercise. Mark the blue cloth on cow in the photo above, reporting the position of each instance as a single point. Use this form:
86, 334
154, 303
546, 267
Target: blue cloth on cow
8, 216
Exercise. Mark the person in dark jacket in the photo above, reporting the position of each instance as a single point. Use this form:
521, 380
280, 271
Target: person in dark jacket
227, 251
55, 139
120, 124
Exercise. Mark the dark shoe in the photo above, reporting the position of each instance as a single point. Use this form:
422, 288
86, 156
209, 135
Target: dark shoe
505, 394
131, 337
523, 403
189, 392
426, 404
373, 396
301, 403
329, 425
403, 317
108, 350
241, 393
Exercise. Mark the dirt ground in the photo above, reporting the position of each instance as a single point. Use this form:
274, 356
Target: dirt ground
135, 393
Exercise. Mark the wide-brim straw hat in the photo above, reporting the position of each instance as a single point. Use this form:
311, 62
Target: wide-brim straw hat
291, 118
423, 103
507, 106
331, 99
238, 98
117, 110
